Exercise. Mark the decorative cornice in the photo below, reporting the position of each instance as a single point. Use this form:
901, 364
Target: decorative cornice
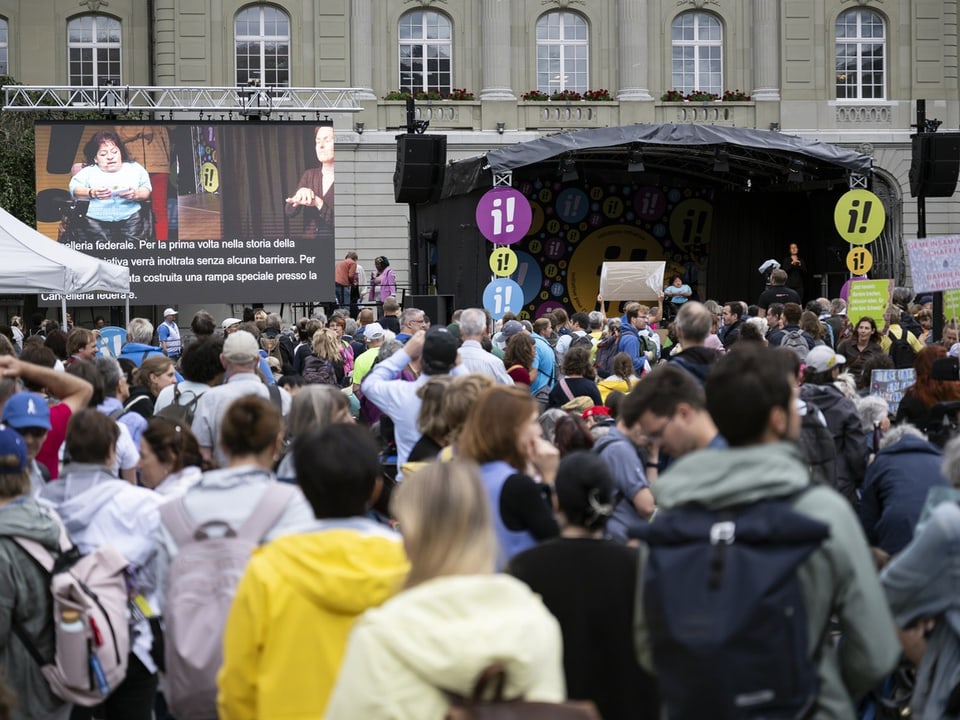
424, 3
699, 4
94, 5
563, 4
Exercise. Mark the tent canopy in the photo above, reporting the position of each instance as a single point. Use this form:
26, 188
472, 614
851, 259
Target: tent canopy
33, 263
726, 157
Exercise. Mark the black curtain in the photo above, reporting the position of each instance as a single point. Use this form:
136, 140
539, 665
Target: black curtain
749, 228
260, 166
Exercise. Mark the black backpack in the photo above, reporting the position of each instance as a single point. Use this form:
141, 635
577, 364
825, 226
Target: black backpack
607, 349
180, 412
900, 351
584, 341
725, 611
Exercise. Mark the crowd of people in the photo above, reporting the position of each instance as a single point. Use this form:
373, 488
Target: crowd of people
367, 515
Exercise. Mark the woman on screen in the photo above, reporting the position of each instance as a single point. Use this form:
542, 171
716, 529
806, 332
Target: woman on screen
315, 191
115, 187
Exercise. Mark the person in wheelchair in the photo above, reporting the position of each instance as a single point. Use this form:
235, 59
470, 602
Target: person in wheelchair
116, 188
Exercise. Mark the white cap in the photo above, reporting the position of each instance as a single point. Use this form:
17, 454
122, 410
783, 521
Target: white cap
373, 332
169, 311
230, 321
823, 358
241, 347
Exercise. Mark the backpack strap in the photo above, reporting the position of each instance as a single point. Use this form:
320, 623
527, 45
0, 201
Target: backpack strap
275, 397
566, 388
267, 511
178, 521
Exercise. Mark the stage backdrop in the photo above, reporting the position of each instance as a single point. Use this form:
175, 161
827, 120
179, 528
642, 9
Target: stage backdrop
218, 226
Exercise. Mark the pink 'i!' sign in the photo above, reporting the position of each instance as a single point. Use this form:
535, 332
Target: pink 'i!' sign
504, 215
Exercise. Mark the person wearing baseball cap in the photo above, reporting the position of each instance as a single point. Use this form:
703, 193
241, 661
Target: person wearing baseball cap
169, 334
28, 414
823, 367
230, 324
436, 350
25, 599
240, 357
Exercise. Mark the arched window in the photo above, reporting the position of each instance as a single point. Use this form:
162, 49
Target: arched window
426, 51
93, 50
861, 55
563, 50
697, 42
4, 47
262, 43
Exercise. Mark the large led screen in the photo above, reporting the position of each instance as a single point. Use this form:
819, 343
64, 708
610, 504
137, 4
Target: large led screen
199, 212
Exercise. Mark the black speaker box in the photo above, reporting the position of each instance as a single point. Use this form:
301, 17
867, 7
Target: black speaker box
420, 162
438, 308
935, 164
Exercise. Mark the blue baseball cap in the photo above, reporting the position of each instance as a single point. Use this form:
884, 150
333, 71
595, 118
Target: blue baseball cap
11, 443
27, 410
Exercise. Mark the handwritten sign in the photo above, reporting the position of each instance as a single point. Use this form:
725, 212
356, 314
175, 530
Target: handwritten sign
934, 263
890, 384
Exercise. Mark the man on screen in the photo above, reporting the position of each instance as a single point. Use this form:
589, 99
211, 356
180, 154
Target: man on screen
315, 190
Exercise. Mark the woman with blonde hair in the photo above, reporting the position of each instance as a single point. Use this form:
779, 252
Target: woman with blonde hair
456, 404
430, 422
454, 619
502, 434
154, 374
621, 380
325, 363
314, 407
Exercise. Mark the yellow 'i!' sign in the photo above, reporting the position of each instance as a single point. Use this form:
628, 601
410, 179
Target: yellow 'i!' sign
859, 261
859, 217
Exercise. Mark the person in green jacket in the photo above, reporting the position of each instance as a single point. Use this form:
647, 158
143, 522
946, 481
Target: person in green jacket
752, 400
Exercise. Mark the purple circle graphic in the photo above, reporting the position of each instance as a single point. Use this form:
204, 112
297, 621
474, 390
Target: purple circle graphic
504, 215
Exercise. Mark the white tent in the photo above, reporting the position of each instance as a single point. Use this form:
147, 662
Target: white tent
33, 263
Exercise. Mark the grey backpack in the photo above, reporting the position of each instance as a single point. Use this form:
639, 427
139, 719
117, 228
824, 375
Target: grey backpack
200, 587
795, 340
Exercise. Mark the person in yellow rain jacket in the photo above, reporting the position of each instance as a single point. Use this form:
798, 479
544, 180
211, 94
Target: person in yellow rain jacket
297, 601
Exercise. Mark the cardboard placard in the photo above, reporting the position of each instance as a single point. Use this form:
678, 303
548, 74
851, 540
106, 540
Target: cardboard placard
632, 280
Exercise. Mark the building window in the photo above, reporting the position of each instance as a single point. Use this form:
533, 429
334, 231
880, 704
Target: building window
861, 56
93, 49
262, 37
426, 49
697, 42
563, 49
4, 47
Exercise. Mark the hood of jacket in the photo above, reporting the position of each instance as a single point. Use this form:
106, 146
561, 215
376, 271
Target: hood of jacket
447, 630
628, 329
825, 397
81, 493
909, 445
26, 518
718, 478
341, 566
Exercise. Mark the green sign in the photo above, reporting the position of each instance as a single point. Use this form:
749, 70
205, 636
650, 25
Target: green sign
869, 298
951, 304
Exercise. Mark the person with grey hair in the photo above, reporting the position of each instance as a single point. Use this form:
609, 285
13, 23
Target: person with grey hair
895, 487
693, 324
137, 348
874, 417
314, 408
115, 394
240, 357
473, 328
411, 321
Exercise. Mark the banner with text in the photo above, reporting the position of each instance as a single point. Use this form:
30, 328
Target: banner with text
868, 298
934, 263
199, 212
